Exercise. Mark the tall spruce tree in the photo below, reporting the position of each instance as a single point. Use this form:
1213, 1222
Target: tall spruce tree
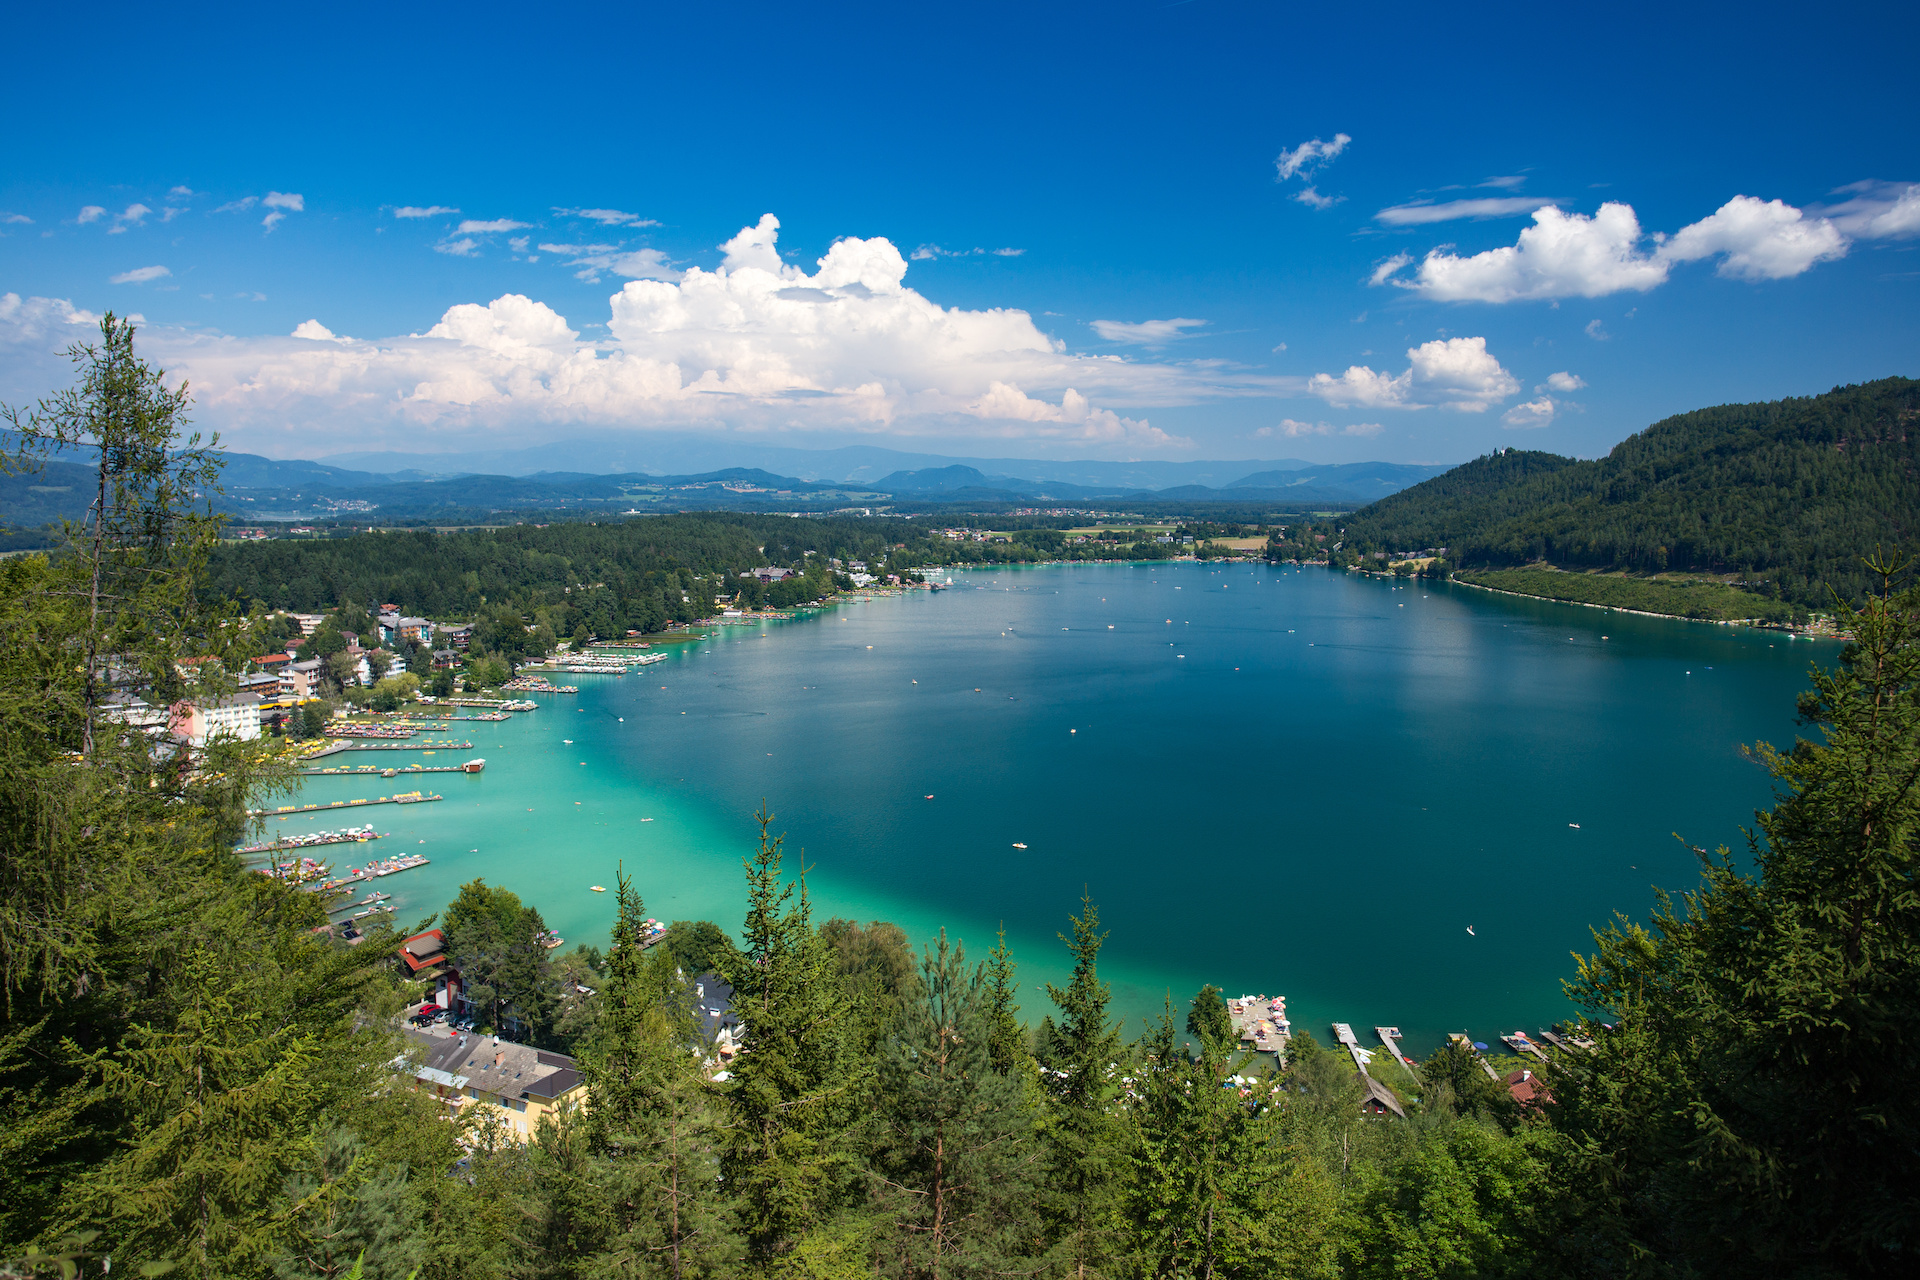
651, 1122
1007, 1038
1081, 1132
796, 1088
952, 1147
1752, 1108
1216, 1185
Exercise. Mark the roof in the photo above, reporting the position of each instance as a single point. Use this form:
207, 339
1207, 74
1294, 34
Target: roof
488, 1064
1527, 1089
424, 949
713, 1005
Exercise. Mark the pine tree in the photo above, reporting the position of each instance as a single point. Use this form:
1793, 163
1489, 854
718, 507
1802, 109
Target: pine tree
1751, 1110
650, 1123
1007, 1039
1216, 1185
952, 1140
1081, 1131
796, 1088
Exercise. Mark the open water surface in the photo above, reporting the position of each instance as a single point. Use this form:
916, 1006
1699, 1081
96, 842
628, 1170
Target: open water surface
1285, 781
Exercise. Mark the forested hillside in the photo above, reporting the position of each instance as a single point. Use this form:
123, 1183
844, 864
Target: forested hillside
1792, 493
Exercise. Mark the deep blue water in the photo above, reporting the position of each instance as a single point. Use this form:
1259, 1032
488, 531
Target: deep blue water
1284, 781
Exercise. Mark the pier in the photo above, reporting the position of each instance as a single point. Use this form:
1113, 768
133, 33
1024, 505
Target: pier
375, 771
301, 810
336, 748
1390, 1037
1261, 1024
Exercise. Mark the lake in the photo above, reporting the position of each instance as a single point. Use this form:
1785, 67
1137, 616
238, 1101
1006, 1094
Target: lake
1285, 781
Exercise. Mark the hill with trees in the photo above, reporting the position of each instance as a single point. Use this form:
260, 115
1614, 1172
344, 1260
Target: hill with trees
1788, 496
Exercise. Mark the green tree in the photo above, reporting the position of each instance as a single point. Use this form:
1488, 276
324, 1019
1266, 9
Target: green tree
1751, 1109
1216, 1183
1208, 1020
796, 1087
1006, 1037
1082, 1057
951, 1146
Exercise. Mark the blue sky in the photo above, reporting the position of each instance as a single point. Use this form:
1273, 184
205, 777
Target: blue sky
1183, 231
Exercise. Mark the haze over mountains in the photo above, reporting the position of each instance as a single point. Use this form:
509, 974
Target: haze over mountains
657, 474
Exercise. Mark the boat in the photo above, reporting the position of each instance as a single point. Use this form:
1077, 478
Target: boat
1018, 845
474, 765
389, 773
598, 888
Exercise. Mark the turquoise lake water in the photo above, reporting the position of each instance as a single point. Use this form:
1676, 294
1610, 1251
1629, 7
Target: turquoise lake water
1284, 781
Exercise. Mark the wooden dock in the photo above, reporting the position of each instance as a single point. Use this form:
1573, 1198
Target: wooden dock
306, 810
375, 771
362, 744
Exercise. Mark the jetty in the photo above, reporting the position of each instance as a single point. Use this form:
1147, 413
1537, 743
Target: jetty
1390, 1037
375, 771
372, 871
353, 744
1519, 1043
372, 899
1261, 1024
301, 810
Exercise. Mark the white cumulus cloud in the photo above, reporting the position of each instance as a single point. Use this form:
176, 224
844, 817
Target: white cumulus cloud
1757, 240
1572, 255
139, 275
1564, 381
1451, 373
1562, 255
90, 213
1531, 413
755, 345
314, 331
465, 247
424, 210
1147, 333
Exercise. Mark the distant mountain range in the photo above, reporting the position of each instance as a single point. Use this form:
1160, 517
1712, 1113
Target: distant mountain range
393, 486
869, 465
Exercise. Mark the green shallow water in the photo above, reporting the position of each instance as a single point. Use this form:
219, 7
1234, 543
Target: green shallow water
1284, 781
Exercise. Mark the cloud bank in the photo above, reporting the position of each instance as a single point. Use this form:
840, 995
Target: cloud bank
756, 345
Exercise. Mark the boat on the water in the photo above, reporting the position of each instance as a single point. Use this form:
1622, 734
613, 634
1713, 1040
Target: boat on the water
474, 765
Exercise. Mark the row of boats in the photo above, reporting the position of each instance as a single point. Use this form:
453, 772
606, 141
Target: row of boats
346, 835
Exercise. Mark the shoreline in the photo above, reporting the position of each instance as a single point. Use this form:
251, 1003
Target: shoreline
1754, 623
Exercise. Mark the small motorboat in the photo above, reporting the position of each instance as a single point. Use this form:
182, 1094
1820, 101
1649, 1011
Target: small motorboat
1018, 845
598, 888
1470, 930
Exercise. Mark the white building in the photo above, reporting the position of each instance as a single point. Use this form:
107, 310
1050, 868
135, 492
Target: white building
236, 716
